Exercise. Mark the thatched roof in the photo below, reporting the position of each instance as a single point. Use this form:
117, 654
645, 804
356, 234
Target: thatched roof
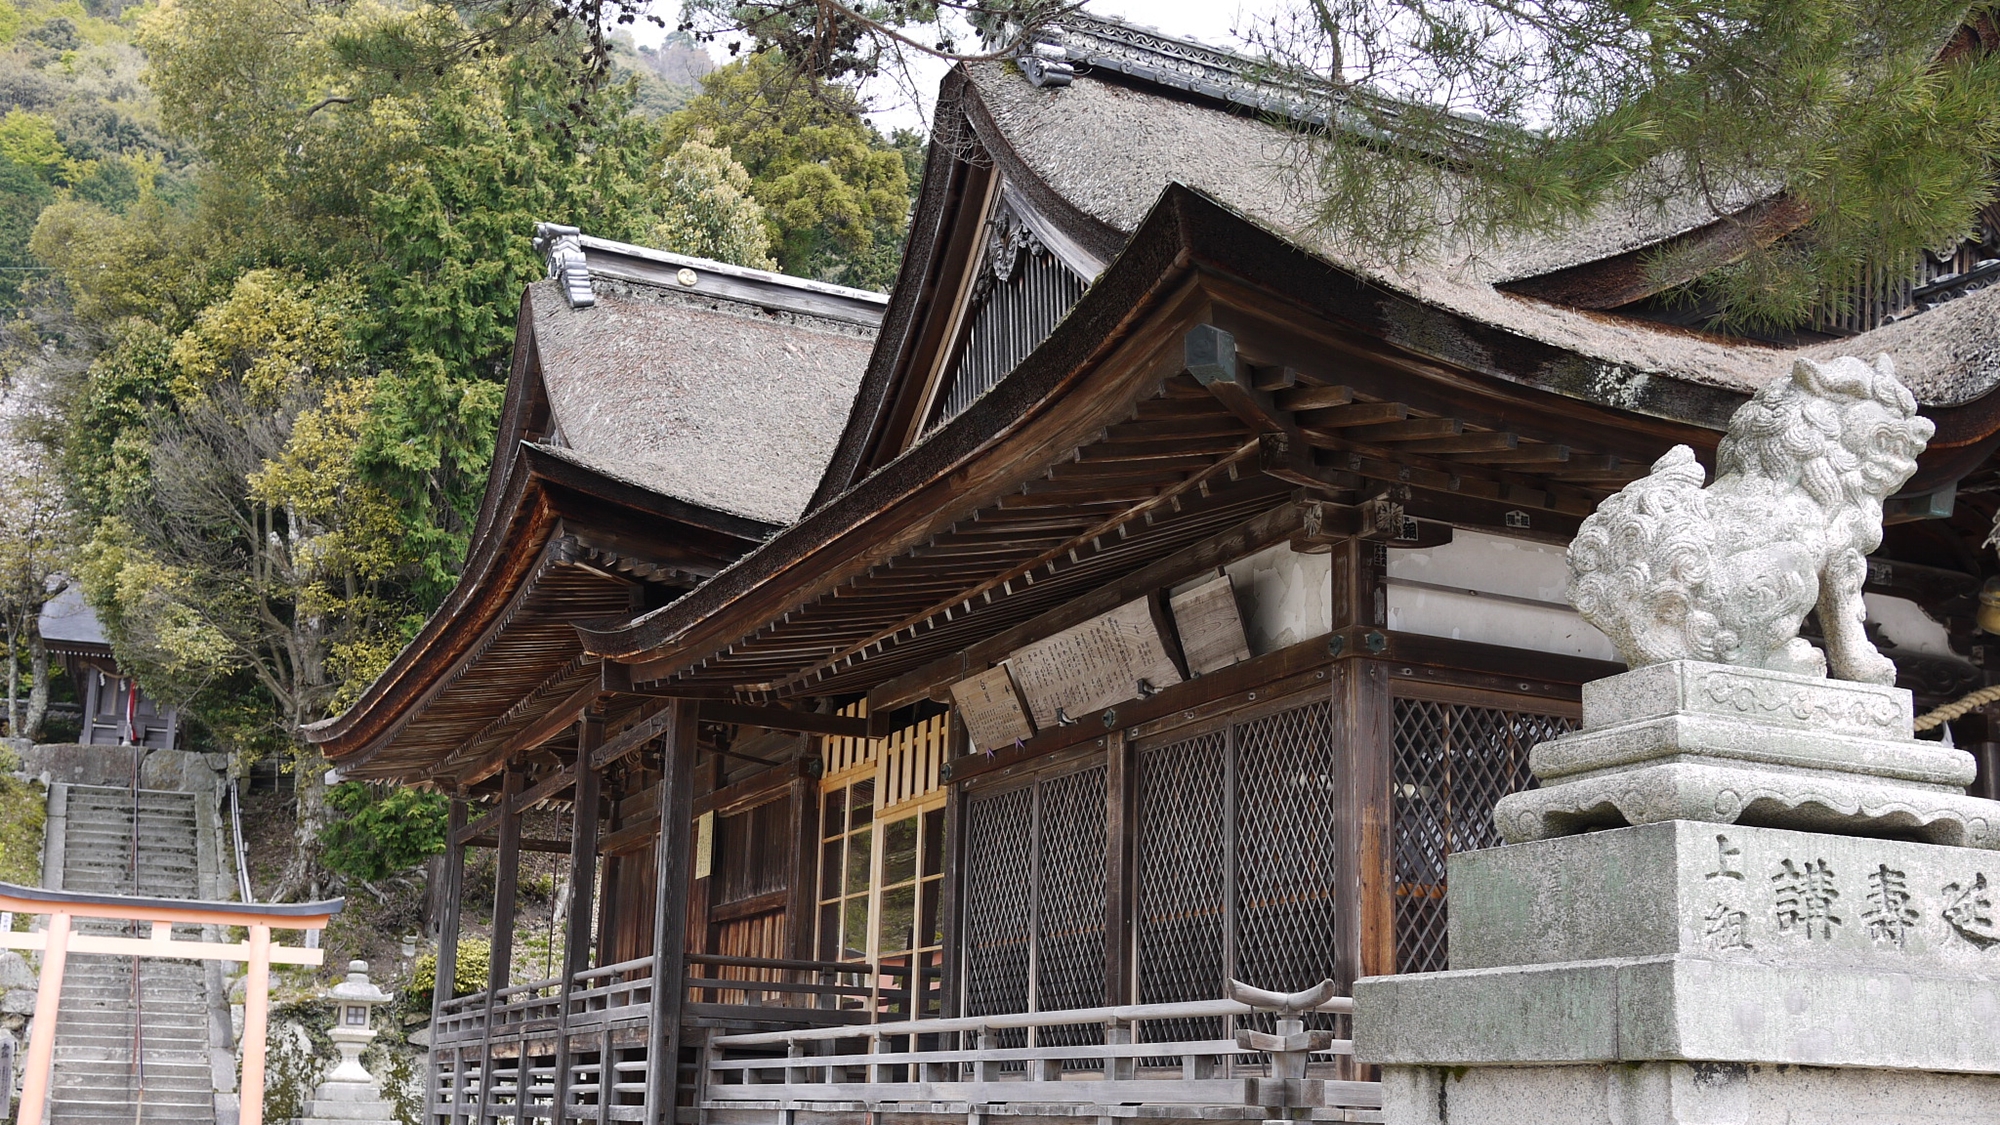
711, 400
1109, 141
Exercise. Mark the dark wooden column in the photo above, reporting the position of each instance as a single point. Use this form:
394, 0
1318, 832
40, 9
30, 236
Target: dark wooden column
500, 967
1365, 729
952, 893
802, 909
670, 894
1364, 734
1119, 878
506, 883
446, 978
582, 894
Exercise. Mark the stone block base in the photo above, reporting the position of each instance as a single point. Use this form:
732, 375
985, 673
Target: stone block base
1663, 1093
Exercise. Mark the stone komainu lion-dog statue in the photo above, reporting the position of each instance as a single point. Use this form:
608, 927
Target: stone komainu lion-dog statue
1672, 571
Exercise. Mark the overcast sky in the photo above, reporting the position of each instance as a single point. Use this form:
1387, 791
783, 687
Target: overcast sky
1211, 21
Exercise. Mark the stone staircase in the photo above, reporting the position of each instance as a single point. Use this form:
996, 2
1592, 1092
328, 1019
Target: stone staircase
117, 1061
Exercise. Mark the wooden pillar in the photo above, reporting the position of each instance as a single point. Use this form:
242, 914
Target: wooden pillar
500, 964
1365, 735
954, 880
445, 982
802, 909
506, 884
582, 888
1120, 806
670, 893
256, 1031
40, 1068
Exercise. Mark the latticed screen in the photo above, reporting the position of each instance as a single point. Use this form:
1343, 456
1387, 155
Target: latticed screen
1285, 847
1183, 875
1034, 895
999, 901
1453, 763
1235, 856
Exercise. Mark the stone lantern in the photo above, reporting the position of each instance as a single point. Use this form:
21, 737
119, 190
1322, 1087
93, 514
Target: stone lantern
354, 1001
350, 1095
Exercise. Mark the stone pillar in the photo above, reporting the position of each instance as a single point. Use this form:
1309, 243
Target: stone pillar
1739, 897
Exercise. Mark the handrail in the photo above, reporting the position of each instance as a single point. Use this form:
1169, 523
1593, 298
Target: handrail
242, 853
1124, 1013
845, 968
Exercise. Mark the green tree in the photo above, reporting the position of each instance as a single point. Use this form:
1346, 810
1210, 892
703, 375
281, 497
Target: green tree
376, 831
706, 207
1881, 120
280, 446
832, 189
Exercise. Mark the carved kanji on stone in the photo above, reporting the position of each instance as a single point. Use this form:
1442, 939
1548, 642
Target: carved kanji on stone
1889, 916
1727, 860
1968, 910
1727, 927
1805, 898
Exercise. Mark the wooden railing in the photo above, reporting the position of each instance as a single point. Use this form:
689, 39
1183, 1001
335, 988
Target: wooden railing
808, 992
973, 1065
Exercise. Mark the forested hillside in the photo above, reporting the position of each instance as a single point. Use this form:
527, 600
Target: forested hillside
262, 260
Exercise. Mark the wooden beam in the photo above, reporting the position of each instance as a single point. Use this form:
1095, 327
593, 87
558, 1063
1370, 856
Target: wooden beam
552, 722
1248, 537
1521, 455
524, 845
1484, 442
1211, 359
1314, 398
782, 718
1250, 675
644, 730
1296, 463
1359, 414
1410, 430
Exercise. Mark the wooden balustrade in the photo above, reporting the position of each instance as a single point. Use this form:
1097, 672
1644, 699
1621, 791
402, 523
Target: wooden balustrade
969, 1066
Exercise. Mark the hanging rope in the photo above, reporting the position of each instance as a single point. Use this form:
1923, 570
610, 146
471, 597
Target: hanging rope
1958, 707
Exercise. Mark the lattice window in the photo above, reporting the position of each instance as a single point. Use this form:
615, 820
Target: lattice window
999, 906
1285, 844
1453, 763
1235, 861
1069, 918
1183, 872
1034, 896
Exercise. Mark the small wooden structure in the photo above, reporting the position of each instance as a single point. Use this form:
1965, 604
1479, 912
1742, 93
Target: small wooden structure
1172, 597
157, 917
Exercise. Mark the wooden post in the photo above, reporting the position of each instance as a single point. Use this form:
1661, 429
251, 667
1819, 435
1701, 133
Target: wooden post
42, 1046
1119, 877
500, 963
582, 888
256, 1029
804, 872
445, 981
670, 891
954, 880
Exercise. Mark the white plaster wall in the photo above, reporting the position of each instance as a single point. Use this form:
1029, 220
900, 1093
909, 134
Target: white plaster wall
1285, 597
1905, 625
1533, 612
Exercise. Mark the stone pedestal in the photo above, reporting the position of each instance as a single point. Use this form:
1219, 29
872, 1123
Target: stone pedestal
1721, 970
348, 1103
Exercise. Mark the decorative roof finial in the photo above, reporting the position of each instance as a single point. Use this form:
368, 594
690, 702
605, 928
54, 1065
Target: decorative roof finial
562, 248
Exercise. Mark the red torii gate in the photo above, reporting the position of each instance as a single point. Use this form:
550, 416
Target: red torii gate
58, 940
